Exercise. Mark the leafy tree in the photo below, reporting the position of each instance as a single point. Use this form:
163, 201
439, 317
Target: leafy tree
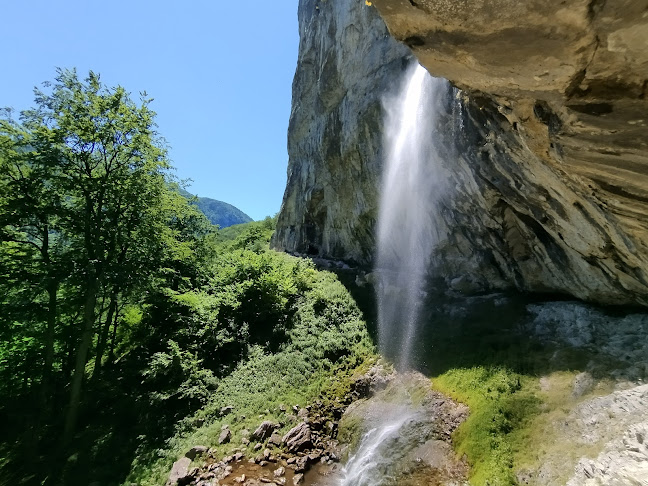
85, 200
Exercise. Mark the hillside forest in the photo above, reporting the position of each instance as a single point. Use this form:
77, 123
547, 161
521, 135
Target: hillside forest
128, 320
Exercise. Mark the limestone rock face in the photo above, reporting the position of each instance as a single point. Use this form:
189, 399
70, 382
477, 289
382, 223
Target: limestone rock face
347, 60
546, 138
564, 120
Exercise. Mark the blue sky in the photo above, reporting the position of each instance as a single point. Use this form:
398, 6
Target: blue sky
220, 73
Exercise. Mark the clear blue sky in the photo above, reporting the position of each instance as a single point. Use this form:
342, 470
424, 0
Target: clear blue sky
220, 73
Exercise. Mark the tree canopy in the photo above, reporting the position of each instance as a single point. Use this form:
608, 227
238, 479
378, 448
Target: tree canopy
89, 217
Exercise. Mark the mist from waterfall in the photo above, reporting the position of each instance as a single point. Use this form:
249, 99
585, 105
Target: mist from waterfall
410, 191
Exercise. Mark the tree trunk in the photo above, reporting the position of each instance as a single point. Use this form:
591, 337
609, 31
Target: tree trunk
45, 402
103, 336
46, 384
113, 339
81, 359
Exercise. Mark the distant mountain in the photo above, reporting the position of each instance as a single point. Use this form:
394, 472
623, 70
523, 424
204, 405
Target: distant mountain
219, 212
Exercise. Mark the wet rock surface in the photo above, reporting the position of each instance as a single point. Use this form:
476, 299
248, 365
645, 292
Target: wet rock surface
615, 344
405, 432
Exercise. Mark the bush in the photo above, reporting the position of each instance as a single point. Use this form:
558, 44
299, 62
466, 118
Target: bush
272, 328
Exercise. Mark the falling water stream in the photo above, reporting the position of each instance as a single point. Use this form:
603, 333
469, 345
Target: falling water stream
406, 224
406, 237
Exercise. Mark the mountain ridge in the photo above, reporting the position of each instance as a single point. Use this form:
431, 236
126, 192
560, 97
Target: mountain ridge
218, 212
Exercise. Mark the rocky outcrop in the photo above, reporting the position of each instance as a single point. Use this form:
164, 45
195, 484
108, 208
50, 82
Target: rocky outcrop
406, 429
546, 141
346, 62
563, 169
264, 430
179, 472
298, 438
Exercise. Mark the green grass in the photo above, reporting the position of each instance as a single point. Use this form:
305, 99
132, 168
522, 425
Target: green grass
502, 404
512, 421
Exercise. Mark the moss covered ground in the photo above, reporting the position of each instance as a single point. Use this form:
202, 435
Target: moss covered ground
517, 389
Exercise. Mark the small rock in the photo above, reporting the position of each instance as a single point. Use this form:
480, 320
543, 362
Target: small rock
301, 464
196, 451
583, 384
275, 440
264, 430
225, 436
297, 478
238, 456
258, 446
279, 472
226, 410
282, 408
240, 479
245, 441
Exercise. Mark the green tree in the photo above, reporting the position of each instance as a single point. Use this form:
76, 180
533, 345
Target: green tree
86, 199
32, 254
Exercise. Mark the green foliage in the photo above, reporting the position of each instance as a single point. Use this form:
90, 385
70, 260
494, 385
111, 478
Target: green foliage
90, 224
304, 335
177, 375
122, 306
502, 403
242, 236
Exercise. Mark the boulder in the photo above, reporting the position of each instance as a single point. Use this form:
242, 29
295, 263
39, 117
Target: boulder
196, 451
264, 430
226, 410
225, 436
275, 440
179, 472
298, 438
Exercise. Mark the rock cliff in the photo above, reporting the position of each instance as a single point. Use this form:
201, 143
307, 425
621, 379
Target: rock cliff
347, 60
545, 138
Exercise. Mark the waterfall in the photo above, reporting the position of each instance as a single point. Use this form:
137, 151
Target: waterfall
406, 237
364, 467
406, 222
